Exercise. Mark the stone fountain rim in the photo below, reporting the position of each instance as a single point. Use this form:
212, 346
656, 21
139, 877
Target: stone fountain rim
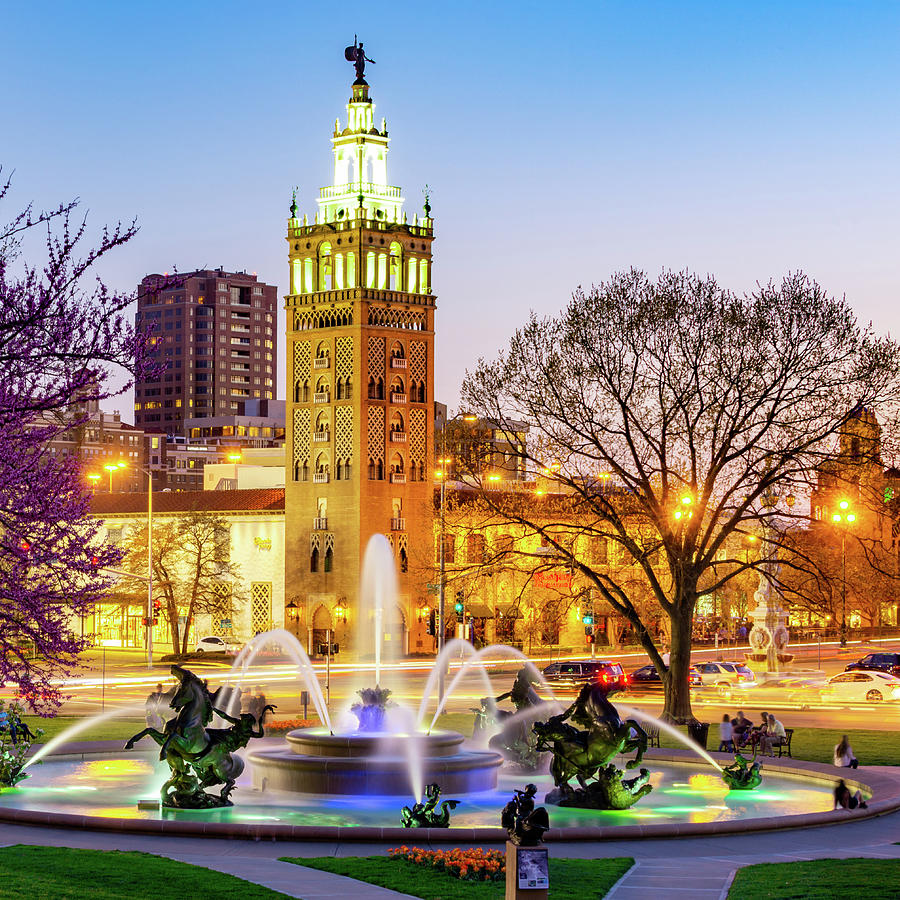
881, 784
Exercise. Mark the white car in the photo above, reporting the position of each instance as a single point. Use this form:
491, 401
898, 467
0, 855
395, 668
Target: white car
871, 686
213, 644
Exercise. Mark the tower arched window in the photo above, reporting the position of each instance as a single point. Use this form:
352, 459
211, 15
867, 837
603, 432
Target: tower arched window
379, 388
323, 350
397, 386
314, 560
379, 470
397, 464
329, 559
397, 423
397, 351
395, 267
372, 469
404, 560
326, 267
372, 388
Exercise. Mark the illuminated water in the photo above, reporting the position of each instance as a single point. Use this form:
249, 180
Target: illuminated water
111, 788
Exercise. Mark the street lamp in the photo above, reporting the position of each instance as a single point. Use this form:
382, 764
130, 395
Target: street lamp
94, 478
113, 467
149, 473
844, 518
441, 473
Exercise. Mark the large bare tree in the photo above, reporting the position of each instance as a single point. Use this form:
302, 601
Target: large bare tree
675, 413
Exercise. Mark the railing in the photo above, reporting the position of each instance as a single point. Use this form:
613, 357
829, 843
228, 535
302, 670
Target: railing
398, 477
321, 437
320, 523
398, 524
320, 478
398, 398
321, 397
359, 187
398, 437
398, 362
321, 362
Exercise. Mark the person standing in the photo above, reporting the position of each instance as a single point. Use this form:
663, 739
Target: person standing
153, 708
726, 735
257, 703
843, 755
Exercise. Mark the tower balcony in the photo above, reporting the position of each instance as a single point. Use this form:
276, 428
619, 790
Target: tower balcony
398, 524
320, 523
320, 478
321, 397
398, 437
398, 398
321, 437
334, 191
322, 362
398, 362
398, 477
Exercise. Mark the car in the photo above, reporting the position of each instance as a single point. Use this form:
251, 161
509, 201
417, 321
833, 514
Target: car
724, 676
574, 673
871, 686
647, 679
877, 662
214, 644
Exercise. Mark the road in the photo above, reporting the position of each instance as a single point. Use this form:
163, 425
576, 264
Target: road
121, 679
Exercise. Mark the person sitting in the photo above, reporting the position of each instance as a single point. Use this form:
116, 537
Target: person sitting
758, 735
741, 727
775, 735
843, 797
726, 735
843, 755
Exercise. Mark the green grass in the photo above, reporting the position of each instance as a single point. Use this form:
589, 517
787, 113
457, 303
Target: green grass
570, 879
66, 874
112, 729
824, 879
872, 748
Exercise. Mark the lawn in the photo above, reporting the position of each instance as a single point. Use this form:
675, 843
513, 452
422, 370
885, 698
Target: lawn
570, 879
112, 729
872, 748
66, 874
824, 879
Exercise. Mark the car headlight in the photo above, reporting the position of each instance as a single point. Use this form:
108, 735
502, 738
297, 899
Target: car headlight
895, 693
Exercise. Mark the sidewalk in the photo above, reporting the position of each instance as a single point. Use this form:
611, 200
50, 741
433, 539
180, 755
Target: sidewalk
686, 867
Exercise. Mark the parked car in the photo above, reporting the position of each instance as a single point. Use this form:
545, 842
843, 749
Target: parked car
871, 686
726, 675
572, 674
214, 644
647, 679
877, 662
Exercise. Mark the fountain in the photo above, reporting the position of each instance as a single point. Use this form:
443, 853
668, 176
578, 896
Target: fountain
384, 755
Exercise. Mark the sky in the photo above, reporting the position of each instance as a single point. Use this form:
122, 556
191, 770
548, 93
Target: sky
562, 141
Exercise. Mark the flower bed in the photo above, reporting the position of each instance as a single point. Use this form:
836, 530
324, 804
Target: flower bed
281, 726
469, 864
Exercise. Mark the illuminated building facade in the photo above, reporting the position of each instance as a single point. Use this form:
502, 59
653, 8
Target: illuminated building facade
360, 404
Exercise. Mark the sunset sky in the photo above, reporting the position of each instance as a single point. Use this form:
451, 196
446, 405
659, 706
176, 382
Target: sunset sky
562, 141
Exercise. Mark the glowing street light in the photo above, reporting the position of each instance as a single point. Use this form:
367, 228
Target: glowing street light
844, 518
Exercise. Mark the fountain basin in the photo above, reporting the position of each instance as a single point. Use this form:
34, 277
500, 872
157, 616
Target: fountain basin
316, 762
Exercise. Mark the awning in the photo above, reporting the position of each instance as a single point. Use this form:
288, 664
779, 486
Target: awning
509, 610
478, 610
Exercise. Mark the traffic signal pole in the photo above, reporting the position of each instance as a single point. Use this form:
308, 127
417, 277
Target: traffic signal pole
149, 569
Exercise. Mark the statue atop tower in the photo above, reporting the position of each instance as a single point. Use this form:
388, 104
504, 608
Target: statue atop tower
357, 56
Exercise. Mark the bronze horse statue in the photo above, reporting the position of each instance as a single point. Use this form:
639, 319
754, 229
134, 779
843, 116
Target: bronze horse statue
587, 753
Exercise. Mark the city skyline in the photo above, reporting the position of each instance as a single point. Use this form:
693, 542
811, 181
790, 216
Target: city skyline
677, 136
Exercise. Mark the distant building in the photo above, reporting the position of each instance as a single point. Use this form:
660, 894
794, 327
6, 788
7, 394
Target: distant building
103, 440
479, 448
255, 541
216, 331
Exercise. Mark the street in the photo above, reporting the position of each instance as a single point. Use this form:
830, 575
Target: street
120, 679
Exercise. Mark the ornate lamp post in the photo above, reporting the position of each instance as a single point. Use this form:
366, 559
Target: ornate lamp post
843, 520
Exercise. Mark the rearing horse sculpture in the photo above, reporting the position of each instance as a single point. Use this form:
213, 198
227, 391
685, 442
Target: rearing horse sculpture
199, 756
586, 754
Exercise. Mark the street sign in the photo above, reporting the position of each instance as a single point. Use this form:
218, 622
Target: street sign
433, 588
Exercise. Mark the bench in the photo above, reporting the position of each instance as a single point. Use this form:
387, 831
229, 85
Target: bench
652, 732
784, 744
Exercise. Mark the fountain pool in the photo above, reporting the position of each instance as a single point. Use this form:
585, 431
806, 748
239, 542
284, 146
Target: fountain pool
110, 787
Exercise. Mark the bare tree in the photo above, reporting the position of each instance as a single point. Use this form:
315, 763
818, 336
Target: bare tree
192, 570
673, 414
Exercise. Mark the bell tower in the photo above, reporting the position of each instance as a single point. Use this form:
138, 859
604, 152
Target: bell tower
360, 402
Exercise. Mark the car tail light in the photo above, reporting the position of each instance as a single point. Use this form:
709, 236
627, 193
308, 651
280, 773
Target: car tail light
624, 678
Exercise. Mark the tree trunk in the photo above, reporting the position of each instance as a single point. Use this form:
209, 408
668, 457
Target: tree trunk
677, 706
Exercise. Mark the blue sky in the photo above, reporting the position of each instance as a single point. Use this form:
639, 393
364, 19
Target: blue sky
562, 141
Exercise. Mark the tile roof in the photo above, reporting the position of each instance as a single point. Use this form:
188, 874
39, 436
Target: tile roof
255, 499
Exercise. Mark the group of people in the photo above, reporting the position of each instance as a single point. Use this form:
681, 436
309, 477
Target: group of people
157, 709
740, 733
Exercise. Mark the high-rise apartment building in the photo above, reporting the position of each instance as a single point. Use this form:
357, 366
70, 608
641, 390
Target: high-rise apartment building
360, 412
216, 331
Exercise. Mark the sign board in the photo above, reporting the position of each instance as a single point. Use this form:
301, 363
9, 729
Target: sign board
558, 579
433, 588
533, 868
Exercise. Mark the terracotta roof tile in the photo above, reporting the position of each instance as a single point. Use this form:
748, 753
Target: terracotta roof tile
189, 501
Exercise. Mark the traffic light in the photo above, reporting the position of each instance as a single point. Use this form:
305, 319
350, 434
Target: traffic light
157, 606
460, 602
458, 607
95, 561
587, 618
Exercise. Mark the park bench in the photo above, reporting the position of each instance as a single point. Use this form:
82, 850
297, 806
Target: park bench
783, 745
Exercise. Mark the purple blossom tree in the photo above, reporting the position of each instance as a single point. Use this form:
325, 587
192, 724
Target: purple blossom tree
62, 333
